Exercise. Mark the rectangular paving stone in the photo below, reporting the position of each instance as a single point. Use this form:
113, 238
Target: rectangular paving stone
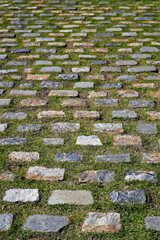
127, 140
84, 85
151, 157
6, 84
5, 102
45, 223
37, 63
13, 115
19, 156
65, 56
21, 50
139, 56
112, 85
43, 173
21, 195
74, 102
81, 69
93, 94
126, 63
65, 127
79, 197
128, 93
142, 69
105, 102
50, 114
33, 102
92, 140
153, 115
109, 128
6, 220
23, 92
86, 114
47, 84
124, 114
13, 141
141, 176
101, 176
68, 157
7, 176
147, 128
51, 69
152, 223
53, 141
29, 127
128, 197
115, 158
149, 49
97, 222
46, 39
40, 77
71, 76
142, 103
65, 93
8, 71
110, 69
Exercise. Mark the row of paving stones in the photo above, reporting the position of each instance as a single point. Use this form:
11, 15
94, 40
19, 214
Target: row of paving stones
101, 176
109, 128
94, 222
92, 140
19, 156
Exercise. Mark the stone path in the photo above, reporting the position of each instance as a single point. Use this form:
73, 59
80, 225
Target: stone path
79, 119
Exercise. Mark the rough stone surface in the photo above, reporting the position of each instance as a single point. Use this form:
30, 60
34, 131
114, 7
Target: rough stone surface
102, 222
33, 102
109, 128
127, 140
152, 223
53, 141
86, 114
124, 114
92, 140
65, 127
79, 197
6, 220
50, 114
43, 173
115, 158
7, 176
13, 141
23, 156
105, 102
141, 176
142, 69
21, 195
141, 103
151, 157
147, 128
45, 223
153, 115
65, 93
68, 157
74, 102
101, 176
13, 115
29, 127
128, 197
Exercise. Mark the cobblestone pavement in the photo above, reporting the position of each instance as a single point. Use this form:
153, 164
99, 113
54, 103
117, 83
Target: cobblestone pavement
79, 120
